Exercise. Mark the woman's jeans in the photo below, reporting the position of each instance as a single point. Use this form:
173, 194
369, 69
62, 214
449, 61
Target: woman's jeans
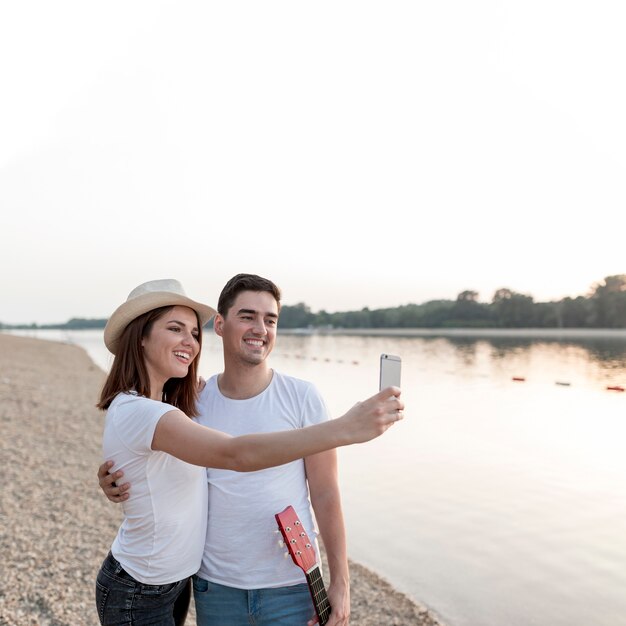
123, 601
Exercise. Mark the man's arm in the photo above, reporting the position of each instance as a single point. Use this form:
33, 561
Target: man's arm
109, 483
321, 471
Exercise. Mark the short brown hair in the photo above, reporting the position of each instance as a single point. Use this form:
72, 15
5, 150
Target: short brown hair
245, 282
129, 372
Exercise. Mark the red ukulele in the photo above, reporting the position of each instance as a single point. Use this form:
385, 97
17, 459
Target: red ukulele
303, 554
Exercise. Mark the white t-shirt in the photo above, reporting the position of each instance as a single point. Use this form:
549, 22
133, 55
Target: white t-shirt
162, 536
241, 548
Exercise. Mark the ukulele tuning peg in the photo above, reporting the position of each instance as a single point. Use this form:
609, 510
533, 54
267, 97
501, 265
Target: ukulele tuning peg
281, 543
286, 555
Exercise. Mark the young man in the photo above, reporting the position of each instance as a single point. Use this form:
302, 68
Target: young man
244, 577
243, 570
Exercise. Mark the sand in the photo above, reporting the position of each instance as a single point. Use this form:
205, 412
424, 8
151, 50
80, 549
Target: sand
56, 526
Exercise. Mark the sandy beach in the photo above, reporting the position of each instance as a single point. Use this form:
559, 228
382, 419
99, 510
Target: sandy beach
55, 524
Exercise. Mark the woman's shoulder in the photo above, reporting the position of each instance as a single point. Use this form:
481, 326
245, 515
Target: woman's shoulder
127, 399
131, 414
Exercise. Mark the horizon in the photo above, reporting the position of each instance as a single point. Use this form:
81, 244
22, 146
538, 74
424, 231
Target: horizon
283, 303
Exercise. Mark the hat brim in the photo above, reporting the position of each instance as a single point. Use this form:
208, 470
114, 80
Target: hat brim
132, 309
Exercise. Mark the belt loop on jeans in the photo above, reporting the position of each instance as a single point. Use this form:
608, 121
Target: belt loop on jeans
117, 567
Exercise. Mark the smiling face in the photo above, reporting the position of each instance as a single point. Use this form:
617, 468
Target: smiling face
170, 347
248, 330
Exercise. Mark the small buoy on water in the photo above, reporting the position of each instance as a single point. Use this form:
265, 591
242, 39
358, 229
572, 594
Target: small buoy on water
615, 388
519, 379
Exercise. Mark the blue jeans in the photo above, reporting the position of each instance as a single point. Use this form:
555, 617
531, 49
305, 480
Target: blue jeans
123, 601
217, 605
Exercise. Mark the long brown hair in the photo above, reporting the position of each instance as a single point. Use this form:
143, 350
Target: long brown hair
129, 371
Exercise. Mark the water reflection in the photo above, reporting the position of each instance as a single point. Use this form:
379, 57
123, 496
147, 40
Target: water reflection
604, 354
610, 354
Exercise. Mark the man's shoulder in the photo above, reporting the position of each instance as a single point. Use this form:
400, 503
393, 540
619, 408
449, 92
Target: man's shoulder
209, 387
291, 381
300, 390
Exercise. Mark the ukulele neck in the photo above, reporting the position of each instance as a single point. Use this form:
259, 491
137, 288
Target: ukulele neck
318, 594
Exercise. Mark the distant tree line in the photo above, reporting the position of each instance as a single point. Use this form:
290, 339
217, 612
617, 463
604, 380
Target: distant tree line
604, 307
76, 323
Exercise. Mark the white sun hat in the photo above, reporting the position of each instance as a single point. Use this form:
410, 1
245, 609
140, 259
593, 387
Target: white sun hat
144, 298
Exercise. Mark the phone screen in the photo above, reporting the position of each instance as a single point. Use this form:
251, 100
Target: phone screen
390, 366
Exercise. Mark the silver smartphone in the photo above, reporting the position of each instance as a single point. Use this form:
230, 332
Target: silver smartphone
390, 367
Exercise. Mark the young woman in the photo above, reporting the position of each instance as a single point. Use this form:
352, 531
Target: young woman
150, 395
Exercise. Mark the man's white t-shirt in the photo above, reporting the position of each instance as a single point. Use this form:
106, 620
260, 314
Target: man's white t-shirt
241, 548
162, 536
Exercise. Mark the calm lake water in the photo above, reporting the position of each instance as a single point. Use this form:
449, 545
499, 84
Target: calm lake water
495, 502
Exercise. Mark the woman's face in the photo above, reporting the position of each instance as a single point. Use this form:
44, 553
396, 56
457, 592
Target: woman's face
170, 347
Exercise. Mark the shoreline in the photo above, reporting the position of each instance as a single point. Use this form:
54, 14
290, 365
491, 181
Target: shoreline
479, 333
55, 524
558, 334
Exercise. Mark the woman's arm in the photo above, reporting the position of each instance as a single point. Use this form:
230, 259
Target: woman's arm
179, 436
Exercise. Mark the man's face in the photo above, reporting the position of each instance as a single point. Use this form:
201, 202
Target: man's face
249, 329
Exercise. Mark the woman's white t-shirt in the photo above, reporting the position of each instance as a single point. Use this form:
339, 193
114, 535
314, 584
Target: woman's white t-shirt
161, 539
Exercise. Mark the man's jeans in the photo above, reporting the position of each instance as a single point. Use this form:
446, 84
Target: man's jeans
123, 601
217, 605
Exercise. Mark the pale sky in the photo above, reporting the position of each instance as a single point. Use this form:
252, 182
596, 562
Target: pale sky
357, 153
